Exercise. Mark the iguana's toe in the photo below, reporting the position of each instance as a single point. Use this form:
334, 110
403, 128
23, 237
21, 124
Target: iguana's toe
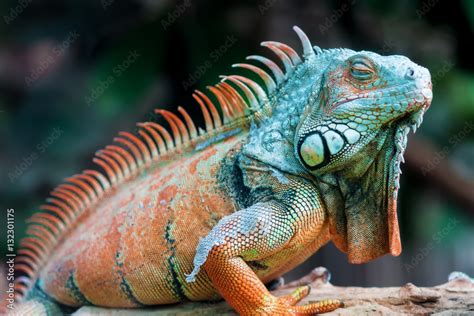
289, 301
295, 296
317, 307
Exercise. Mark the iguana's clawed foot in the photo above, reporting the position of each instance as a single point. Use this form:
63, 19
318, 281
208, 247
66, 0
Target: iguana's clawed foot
285, 305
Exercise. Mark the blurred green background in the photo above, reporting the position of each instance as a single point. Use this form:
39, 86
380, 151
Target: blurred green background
74, 73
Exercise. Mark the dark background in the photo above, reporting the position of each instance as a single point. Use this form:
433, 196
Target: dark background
74, 73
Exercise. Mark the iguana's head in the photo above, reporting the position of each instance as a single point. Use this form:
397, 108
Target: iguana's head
353, 136
363, 97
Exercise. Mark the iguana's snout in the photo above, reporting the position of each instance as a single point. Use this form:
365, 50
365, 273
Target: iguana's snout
423, 88
415, 95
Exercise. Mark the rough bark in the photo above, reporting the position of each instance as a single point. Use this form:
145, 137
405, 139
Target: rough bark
456, 297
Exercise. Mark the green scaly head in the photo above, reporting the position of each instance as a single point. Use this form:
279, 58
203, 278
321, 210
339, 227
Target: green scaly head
352, 140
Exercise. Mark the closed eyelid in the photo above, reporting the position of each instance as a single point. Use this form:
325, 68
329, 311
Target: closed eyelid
361, 67
362, 62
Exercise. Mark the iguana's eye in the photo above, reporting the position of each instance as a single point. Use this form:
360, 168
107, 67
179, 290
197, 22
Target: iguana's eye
361, 69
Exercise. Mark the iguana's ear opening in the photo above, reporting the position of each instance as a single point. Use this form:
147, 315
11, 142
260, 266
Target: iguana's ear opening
363, 219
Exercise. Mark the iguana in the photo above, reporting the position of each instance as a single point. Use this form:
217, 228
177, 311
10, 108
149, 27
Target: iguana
310, 155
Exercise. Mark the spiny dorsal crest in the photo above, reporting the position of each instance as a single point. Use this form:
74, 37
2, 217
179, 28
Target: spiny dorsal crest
240, 100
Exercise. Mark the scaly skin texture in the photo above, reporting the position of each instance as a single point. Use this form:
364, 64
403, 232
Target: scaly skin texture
312, 156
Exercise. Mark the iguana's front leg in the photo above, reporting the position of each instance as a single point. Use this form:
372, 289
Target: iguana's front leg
242, 289
253, 234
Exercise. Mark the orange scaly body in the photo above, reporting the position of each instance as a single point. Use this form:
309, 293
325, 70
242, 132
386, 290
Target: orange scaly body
139, 238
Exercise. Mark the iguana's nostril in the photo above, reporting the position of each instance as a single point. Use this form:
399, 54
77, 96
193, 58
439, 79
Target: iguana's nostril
410, 73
